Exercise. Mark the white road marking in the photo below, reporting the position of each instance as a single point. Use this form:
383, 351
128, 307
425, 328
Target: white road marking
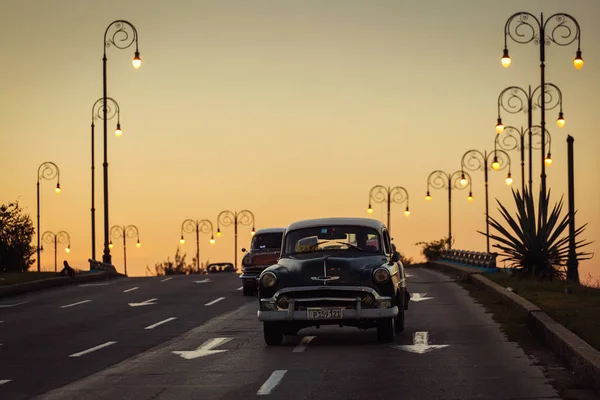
421, 344
205, 349
303, 344
160, 323
97, 284
272, 382
419, 297
240, 288
130, 290
12, 305
3, 381
75, 304
408, 275
149, 302
215, 301
100, 346
166, 279
203, 281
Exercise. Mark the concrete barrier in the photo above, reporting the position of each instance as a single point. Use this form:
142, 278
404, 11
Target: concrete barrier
33, 286
582, 358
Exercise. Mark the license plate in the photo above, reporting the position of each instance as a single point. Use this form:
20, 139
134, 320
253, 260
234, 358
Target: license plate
328, 313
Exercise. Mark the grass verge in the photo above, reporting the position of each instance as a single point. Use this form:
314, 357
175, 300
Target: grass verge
11, 278
573, 306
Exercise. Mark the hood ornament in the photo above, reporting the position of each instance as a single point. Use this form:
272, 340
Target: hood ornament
325, 278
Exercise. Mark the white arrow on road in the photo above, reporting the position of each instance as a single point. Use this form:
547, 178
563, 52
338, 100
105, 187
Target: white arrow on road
421, 344
419, 297
203, 281
205, 350
143, 303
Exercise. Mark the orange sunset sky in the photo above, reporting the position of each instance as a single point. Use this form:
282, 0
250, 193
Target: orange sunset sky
291, 109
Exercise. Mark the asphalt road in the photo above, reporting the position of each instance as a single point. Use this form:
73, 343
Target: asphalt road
451, 349
52, 338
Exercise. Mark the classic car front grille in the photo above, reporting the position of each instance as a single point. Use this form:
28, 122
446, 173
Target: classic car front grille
325, 303
307, 294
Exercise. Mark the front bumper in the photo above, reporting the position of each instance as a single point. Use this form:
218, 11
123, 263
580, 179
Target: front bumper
351, 305
252, 277
365, 313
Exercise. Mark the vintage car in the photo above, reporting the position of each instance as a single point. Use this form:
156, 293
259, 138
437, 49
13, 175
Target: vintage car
220, 267
264, 251
334, 271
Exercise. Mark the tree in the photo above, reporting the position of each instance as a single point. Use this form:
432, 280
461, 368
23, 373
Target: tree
16, 234
534, 245
177, 267
433, 250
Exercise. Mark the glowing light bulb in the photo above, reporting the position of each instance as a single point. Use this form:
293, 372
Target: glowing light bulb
495, 165
57, 189
470, 197
578, 61
218, 233
68, 249
182, 240
499, 126
463, 181
252, 232
505, 59
548, 160
138, 244
369, 210
137, 61
407, 212
212, 240
427, 196
561, 120
118, 131
110, 245
509, 180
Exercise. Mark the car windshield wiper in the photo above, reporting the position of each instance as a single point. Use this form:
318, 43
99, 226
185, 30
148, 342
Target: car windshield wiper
344, 243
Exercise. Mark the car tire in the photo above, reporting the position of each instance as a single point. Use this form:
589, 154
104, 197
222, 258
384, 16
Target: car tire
399, 320
248, 291
385, 330
273, 333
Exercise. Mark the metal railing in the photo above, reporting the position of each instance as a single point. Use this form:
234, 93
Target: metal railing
470, 258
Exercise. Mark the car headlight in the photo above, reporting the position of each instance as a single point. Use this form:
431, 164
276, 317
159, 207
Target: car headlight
247, 260
381, 275
269, 279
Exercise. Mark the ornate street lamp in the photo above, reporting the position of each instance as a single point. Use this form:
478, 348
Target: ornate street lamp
441, 180
204, 226
47, 170
513, 139
129, 231
227, 218
123, 36
561, 29
55, 238
496, 160
98, 112
514, 100
382, 194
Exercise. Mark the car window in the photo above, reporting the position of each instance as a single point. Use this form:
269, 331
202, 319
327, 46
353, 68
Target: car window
386, 242
358, 239
267, 241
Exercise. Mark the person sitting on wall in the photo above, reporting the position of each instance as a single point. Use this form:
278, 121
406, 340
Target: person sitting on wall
67, 270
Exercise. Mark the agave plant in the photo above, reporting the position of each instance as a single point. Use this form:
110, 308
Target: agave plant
535, 246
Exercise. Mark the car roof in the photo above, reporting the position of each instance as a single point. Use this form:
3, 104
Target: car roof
269, 230
312, 223
220, 263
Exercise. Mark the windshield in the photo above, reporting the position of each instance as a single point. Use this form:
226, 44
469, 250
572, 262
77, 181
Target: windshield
333, 238
267, 241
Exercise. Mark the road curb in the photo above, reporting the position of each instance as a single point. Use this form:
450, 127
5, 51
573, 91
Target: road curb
581, 357
34, 286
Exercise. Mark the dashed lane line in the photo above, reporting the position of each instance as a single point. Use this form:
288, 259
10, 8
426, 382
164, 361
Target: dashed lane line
12, 305
100, 346
160, 323
303, 344
130, 289
97, 284
166, 279
3, 381
240, 288
272, 382
75, 304
215, 301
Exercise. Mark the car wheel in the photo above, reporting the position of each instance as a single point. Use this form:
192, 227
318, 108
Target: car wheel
385, 330
248, 291
273, 333
399, 322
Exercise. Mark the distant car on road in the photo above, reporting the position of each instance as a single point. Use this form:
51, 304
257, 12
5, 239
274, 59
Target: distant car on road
334, 271
220, 267
264, 251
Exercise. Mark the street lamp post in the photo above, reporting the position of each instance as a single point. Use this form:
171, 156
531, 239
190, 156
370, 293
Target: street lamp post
98, 112
59, 237
129, 231
47, 170
515, 99
513, 138
382, 194
227, 218
439, 180
474, 160
561, 29
204, 226
124, 35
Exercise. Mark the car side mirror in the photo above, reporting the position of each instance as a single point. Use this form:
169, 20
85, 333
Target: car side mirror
243, 249
395, 257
